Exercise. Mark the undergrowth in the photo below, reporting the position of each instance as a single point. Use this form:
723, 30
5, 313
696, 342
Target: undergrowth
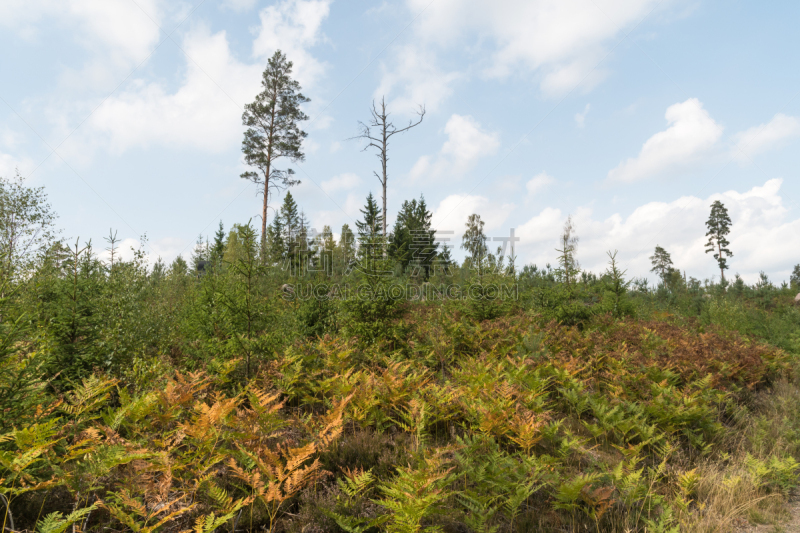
511, 424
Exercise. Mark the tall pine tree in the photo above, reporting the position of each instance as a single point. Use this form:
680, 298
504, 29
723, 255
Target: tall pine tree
719, 226
272, 130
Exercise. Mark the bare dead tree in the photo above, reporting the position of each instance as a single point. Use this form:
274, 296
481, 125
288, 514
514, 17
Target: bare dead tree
377, 133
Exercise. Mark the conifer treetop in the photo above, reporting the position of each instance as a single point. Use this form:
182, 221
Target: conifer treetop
719, 226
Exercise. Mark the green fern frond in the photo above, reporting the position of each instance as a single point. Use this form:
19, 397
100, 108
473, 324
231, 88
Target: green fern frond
88, 396
210, 522
57, 523
355, 482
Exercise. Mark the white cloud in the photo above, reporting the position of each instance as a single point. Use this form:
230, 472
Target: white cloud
9, 165
167, 248
131, 28
294, 26
580, 118
205, 111
125, 30
342, 182
539, 182
759, 235
761, 138
536, 233
451, 215
199, 114
352, 207
467, 142
691, 134
123, 250
561, 42
418, 79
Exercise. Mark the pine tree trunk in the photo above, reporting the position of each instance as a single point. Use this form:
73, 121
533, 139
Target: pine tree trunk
264, 210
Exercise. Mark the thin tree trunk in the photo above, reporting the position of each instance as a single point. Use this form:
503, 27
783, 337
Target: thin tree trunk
383, 161
268, 174
264, 210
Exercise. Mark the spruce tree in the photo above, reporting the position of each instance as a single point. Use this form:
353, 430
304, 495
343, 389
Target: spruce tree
219, 242
443, 260
413, 241
276, 246
371, 307
370, 235
72, 307
272, 130
289, 216
719, 226
178, 269
200, 253
569, 267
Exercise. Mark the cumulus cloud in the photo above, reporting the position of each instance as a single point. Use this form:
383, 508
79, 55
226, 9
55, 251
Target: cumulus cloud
205, 110
125, 26
539, 183
9, 165
467, 142
559, 42
294, 26
452, 212
760, 232
691, 134
118, 34
342, 182
761, 138
200, 113
417, 78
124, 251
167, 248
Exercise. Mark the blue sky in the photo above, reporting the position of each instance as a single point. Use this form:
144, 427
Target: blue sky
630, 115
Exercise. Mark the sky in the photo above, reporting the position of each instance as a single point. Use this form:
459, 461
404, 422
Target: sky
632, 116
